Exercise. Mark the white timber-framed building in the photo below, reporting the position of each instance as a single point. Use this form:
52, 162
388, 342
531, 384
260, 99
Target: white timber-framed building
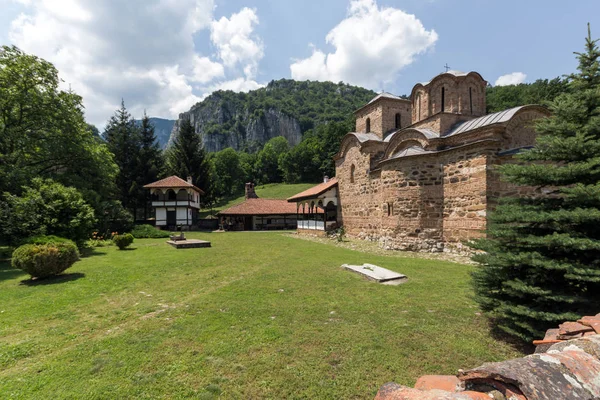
176, 202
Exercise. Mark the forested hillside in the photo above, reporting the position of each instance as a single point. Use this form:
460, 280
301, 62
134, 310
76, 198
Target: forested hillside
288, 108
539, 92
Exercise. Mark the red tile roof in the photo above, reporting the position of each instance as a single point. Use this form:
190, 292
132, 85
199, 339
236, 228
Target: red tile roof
314, 191
172, 182
261, 207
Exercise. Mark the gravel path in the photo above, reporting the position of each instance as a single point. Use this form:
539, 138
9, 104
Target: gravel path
373, 248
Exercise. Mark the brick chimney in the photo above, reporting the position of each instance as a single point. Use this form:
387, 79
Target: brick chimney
250, 193
325, 179
189, 179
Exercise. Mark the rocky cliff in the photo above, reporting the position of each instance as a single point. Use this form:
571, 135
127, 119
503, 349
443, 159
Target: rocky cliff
246, 121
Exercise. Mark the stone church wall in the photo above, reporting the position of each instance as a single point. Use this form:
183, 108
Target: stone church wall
416, 203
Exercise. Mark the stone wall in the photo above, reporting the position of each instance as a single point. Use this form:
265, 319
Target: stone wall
415, 203
462, 95
441, 122
382, 114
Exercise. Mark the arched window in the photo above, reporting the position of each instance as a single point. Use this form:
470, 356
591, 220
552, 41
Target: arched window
418, 106
443, 99
398, 120
471, 99
171, 195
368, 125
352, 168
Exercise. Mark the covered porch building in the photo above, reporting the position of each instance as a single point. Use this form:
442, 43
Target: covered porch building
317, 207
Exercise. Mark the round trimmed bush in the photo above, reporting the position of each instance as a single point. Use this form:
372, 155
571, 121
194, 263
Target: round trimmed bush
44, 260
46, 239
123, 241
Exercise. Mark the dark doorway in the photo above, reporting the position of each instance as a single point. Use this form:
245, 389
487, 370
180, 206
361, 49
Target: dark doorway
247, 223
171, 218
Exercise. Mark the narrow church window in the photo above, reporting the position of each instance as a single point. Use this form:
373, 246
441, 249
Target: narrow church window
443, 99
368, 125
390, 208
418, 106
471, 99
352, 168
398, 120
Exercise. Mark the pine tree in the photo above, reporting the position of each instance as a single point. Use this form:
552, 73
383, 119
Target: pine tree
541, 264
187, 157
124, 141
150, 161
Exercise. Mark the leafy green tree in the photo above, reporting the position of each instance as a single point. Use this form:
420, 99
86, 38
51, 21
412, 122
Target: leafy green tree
247, 163
541, 264
150, 161
303, 162
187, 157
43, 131
228, 173
124, 141
267, 160
46, 208
541, 91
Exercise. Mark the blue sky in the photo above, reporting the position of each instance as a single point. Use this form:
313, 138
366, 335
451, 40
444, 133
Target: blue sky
162, 56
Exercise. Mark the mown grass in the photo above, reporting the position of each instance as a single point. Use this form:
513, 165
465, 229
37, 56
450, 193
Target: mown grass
268, 191
258, 315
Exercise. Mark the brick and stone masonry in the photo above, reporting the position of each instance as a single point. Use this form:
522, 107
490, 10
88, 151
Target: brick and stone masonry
429, 184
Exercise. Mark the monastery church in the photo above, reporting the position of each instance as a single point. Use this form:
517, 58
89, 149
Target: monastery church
419, 174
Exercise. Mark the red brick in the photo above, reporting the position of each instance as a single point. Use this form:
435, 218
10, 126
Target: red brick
441, 382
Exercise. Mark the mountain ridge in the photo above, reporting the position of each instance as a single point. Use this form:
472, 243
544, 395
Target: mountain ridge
285, 107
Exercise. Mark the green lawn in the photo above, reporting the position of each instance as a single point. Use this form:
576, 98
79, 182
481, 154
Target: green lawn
268, 191
258, 315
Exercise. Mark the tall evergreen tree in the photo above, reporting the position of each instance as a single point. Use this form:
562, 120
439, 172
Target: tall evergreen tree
541, 264
186, 157
124, 141
150, 161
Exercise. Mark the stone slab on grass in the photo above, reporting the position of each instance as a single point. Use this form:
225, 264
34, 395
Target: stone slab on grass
377, 274
189, 243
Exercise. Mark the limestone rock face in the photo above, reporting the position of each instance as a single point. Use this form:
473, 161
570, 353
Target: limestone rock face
222, 124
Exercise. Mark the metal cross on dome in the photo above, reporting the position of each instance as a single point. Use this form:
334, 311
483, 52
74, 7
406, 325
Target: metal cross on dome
447, 67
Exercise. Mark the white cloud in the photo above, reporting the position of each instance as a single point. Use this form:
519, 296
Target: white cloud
237, 85
371, 46
206, 70
511, 79
139, 50
235, 41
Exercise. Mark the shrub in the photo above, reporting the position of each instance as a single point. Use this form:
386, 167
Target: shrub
148, 231
112, 217
45, 207
123, 240
43, 260
46, 239
341, 233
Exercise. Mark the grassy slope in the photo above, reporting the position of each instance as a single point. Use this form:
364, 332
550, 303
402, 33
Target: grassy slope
268, 191
258, 315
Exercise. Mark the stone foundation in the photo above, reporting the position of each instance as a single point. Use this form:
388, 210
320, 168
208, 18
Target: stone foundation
311, 232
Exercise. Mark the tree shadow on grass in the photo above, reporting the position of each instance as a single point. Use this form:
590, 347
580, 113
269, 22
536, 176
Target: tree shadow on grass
516, 343
8, 272
51, 280
90, 252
